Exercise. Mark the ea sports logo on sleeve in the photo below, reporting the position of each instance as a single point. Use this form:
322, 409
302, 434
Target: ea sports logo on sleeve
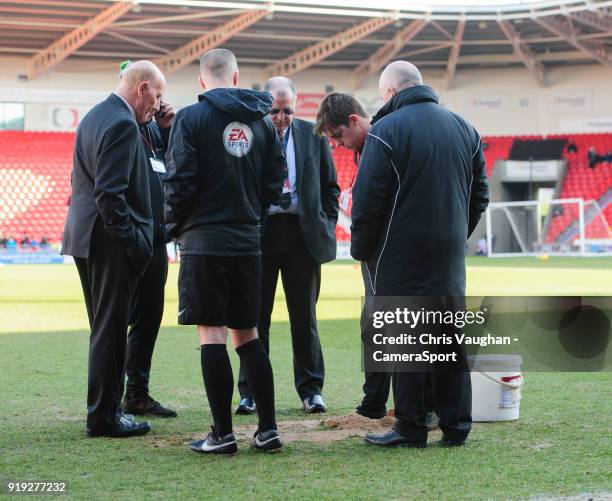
238, 139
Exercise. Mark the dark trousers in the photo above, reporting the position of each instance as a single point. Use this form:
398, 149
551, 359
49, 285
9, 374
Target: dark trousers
452, 401
146, 317
284, 252
450, 385
109, 283
378, 384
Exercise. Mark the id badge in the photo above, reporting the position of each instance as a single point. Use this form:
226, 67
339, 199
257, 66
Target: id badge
157, 165
345, 197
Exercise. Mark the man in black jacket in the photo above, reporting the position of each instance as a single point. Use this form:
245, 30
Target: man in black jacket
419, 194
109, 231
299, 235
148, 301
342, 118
225, 166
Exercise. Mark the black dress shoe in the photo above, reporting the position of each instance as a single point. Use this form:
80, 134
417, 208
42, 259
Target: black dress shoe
123, 427
369, 412
314, 404
447, 442
393, 439
146, 406
246, 406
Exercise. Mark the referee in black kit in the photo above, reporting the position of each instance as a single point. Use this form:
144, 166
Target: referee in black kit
148, 302
225, 167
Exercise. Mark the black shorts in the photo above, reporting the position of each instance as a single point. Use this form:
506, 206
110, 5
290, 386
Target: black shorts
219, 291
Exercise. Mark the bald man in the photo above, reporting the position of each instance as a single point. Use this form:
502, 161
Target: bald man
419, 193
109, 231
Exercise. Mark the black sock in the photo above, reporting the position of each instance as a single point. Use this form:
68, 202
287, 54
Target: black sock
219, 384
258, 371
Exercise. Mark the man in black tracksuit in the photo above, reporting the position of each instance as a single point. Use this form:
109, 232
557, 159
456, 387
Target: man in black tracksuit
225, 167
148, 305
419, 193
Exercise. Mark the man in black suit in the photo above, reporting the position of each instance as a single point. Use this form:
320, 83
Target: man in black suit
299, 235
109, 231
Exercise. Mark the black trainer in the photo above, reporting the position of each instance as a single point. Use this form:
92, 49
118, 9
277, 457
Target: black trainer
268, 441
213, 444
246, 406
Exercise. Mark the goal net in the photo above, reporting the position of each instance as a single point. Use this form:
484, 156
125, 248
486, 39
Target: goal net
560, 227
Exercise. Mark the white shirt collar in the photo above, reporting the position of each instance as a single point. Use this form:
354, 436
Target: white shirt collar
127, 104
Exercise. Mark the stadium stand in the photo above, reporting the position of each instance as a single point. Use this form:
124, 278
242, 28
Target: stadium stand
589, 184
35, 182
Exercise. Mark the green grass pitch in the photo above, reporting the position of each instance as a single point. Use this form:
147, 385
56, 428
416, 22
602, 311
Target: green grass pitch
560, 446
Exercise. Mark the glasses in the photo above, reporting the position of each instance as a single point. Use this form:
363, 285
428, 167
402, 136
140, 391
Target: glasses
286, 111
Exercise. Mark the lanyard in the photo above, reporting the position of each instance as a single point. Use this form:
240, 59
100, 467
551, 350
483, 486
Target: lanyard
286, 140
357, 160
148, 141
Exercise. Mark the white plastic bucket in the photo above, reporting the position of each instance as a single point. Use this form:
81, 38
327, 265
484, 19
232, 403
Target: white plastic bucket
496, 387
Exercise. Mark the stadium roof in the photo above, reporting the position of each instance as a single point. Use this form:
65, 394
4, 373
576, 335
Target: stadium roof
289, 36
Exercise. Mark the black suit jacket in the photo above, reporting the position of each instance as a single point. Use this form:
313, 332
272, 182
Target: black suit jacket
317, 191
110, 180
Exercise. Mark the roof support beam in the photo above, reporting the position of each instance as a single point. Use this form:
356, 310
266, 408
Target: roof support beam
594, 20
386, 53
191, 51
522, 50
72, 41
596, 51
425, 50
311, 55
135, 41
183, 17
453, 57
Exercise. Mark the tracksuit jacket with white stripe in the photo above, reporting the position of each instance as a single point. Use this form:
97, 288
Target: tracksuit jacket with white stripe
419, 193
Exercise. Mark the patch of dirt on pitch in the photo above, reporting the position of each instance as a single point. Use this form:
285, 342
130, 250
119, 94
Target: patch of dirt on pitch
357, 422
329, 429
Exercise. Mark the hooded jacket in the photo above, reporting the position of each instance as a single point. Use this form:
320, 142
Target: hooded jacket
224, 166
419, 193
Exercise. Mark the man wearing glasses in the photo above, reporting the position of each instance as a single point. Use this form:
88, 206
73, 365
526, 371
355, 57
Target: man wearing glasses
299, 235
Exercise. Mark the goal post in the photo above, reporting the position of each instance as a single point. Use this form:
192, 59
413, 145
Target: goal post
557, 227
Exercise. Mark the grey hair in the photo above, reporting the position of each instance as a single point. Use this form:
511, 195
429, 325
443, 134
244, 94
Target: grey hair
280, 84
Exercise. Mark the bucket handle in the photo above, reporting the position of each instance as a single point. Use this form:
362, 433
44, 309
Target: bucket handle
503, 383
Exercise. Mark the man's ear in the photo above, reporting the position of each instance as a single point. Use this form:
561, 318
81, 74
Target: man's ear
142, 87
202, 84
353, 120
235, 78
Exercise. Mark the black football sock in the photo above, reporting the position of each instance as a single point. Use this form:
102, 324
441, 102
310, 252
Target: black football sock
219, 384
258, 371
